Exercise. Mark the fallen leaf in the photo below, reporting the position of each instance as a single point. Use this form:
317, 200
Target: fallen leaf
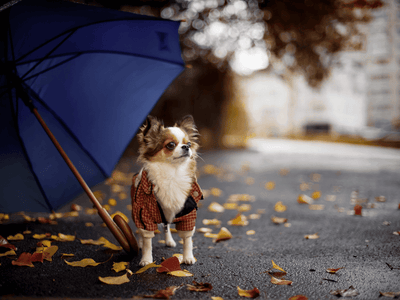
316, 206
25, 259
390, 294
278, 220
350, 292
276, 267
231, 205
92, 242
254, 293
103, 242
358, 210
89, 224
333, 271
120, 266
223, 234
330, 198
244, 207
5, 244
316, 195
199, 287
250, 180
304, 186
216, 192
211, 222
270, 185
216, 207
145, 268
164, 294
211, 235
250, 232
17, 237
48, 252
169, 265
304, 199
83, 263
180, 273
380, 199
311, 236
280, 281
315, 177
204, 230
67, 255
122, 215
280, 207
254, 216
239, 220
4, 218
298, 297
118, 280
39, 236
241, 197
63, 237
396, 232
8, 253
217, 298
112, 202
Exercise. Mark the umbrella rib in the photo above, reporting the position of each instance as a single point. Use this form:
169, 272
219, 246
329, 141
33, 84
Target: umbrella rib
67, 129
82, 26
25, 153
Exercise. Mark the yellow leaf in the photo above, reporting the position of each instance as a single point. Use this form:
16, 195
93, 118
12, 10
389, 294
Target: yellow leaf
145, 268
110, 245
211, 222
120, 266
120, 214
67, 255
311, 236
17, 237
304, 199
115, 280
180, 273
216, 207
278, 220
65, 238
204, 230
112, 202
83, 263
92, 242
280, 207
275, 266
249, 293
280, 281
239, 220
89, 224
217, 298
231, 205
48, 252
216, 192
8, 253
333, 271
244, 207
223, 234
211, 235
250, 232
39, 236
270, 185
316, 195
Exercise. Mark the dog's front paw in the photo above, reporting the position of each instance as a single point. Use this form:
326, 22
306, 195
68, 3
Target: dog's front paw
144, 262
189, 260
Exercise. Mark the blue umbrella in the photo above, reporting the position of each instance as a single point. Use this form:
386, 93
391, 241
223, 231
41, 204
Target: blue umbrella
89, 74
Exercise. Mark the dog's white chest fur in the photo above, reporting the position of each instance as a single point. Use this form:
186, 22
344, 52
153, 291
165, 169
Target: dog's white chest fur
172, 184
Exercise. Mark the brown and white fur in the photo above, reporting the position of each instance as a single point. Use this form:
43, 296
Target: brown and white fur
168, 155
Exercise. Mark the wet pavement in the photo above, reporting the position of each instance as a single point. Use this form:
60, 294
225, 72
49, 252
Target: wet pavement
270, 171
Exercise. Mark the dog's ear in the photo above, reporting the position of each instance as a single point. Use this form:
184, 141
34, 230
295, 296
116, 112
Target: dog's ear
187, 124
151, 128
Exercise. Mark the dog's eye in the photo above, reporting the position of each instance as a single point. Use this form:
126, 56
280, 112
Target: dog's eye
170, 146
189, 144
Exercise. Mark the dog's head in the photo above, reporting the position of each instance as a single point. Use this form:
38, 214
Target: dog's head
173, 145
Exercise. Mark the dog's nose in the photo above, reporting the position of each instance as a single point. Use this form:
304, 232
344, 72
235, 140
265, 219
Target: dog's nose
185, 147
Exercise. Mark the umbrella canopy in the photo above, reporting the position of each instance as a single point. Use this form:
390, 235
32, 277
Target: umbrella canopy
93, 74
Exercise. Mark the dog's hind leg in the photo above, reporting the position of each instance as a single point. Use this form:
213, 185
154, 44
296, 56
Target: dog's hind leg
169, 241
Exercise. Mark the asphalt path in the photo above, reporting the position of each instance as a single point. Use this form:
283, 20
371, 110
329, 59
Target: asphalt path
270, 171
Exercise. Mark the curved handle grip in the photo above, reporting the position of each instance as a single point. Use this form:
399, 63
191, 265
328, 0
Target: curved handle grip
127, 232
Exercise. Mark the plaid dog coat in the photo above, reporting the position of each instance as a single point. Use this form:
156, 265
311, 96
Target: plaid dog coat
147, 213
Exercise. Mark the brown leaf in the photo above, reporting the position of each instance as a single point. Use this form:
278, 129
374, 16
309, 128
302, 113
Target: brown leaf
25, 259
199, 287
390, 294
350, 292
298, 297
5, 244
254, 293
358, 210
169, 265
145, 268
164, 294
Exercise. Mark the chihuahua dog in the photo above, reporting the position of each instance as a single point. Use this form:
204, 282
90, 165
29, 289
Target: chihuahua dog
166, 189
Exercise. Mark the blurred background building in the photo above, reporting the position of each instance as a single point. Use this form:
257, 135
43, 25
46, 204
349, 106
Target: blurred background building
361, 97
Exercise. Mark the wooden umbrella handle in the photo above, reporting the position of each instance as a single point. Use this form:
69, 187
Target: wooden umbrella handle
124, 237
